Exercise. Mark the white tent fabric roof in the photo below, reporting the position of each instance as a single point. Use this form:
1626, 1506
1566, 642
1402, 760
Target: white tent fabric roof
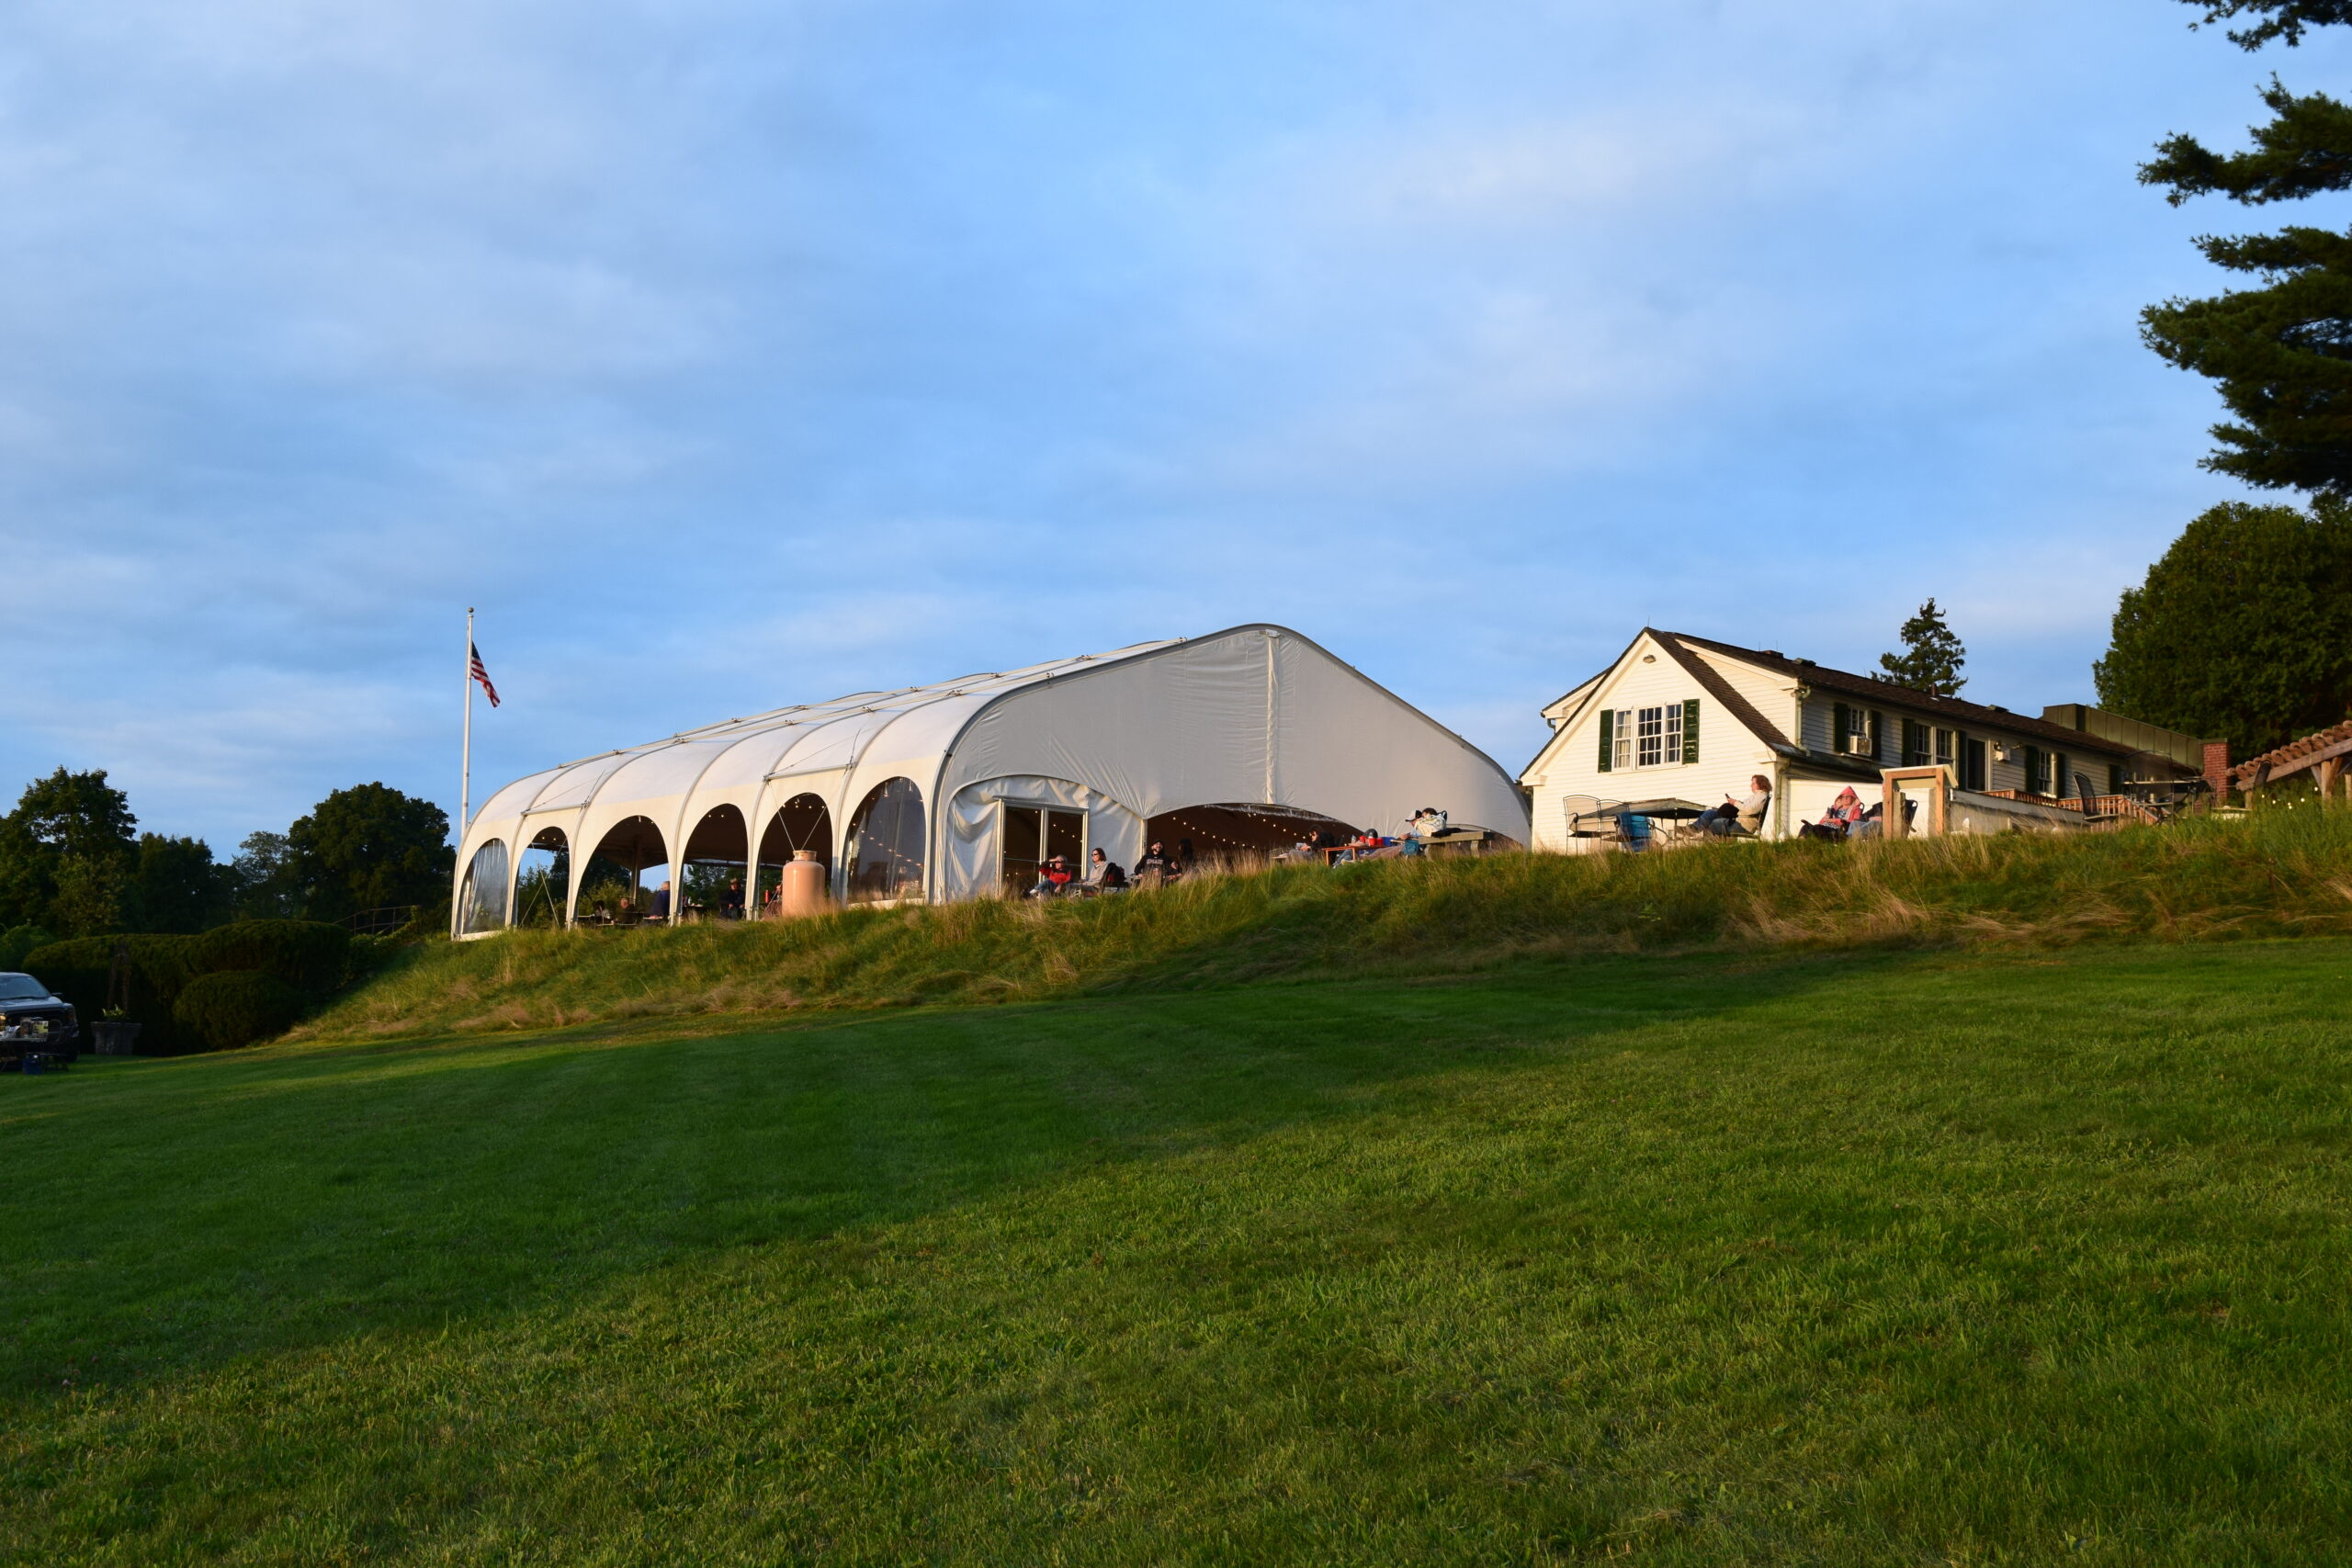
1254, 715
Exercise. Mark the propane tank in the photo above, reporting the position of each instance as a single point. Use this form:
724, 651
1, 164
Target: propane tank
803, 892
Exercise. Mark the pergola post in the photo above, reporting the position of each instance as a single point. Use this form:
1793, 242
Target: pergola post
1893, 822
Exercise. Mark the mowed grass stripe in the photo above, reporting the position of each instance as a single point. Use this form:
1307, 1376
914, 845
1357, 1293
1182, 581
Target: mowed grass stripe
1698, 1258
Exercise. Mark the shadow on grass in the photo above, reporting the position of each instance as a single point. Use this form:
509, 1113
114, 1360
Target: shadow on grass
167, 1217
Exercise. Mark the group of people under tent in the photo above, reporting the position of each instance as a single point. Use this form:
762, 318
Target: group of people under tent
657, 913
1338, 849
1846, 820
1057, 878
627, 913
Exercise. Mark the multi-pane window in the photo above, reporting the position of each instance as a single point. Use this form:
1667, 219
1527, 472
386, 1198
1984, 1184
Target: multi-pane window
1649, 738
1947, 746
1914, 744
1657, 736
1856, 731
2037, 771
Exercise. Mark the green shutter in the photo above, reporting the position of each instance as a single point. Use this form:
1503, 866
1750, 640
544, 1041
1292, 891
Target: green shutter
1690, 731
1878, 729
1607, 737
2061, 776
2033, 780
1841, 727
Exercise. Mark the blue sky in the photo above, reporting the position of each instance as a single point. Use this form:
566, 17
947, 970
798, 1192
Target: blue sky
729, 354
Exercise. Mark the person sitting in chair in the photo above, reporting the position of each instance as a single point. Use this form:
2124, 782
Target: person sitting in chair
1102, 873
1747, 814
1053, 877
1155, 865
1839, 819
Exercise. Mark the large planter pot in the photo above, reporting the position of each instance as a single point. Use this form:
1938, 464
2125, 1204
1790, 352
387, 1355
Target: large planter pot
116, 1039
803, 892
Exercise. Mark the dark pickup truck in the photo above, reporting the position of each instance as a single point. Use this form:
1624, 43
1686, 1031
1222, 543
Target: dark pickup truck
32, 1022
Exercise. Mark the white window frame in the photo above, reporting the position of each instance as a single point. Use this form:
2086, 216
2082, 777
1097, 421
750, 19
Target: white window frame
1649, 737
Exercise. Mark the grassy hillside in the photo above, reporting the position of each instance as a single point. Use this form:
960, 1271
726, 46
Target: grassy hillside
1957, 1256
2289, 872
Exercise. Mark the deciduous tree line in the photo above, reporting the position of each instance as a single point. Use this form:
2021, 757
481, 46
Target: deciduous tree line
72, 863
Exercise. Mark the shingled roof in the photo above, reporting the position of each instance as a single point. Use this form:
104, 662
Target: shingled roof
1885, 693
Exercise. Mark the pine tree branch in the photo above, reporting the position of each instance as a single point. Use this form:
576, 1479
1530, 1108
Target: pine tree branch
2305, 149
2282, 20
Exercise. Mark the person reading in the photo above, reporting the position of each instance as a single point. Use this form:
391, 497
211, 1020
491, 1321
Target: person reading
1749, 814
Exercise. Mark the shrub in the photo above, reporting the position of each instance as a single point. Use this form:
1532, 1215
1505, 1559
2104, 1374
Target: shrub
16, 941
309, 955
236, 1006
308, 959
79, 971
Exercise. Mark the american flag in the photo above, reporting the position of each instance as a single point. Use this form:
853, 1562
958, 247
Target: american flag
482, 674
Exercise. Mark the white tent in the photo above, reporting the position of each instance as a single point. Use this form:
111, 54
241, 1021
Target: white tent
953, 790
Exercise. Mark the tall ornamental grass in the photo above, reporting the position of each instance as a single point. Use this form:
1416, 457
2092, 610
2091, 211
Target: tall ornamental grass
2271, 873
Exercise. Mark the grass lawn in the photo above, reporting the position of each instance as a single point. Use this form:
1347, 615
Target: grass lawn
1876, 1259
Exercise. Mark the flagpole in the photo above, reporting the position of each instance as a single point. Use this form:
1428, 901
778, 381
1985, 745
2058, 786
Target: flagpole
465, 761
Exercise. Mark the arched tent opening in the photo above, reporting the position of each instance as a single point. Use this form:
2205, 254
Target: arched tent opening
543, 879
481, 903
804, 822
614, 874
884, 851
718, 854
1237, 833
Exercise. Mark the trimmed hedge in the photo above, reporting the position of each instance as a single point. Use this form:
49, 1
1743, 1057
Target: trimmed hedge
235, 1007
309, 958
308, 955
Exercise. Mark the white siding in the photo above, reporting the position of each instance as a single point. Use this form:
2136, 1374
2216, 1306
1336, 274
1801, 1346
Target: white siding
1773, 696
1647, 677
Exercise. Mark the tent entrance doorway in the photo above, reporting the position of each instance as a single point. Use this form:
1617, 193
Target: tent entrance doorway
1237, 833
1029, 835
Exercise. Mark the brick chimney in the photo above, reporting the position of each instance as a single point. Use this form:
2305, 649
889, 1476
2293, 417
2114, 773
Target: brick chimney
2216, 769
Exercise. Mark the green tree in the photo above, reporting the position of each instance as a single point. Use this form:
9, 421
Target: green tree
175, 886
67, 854
27, 875
269, 877
2242, 631
370, 846
2281, 352
1931, 656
